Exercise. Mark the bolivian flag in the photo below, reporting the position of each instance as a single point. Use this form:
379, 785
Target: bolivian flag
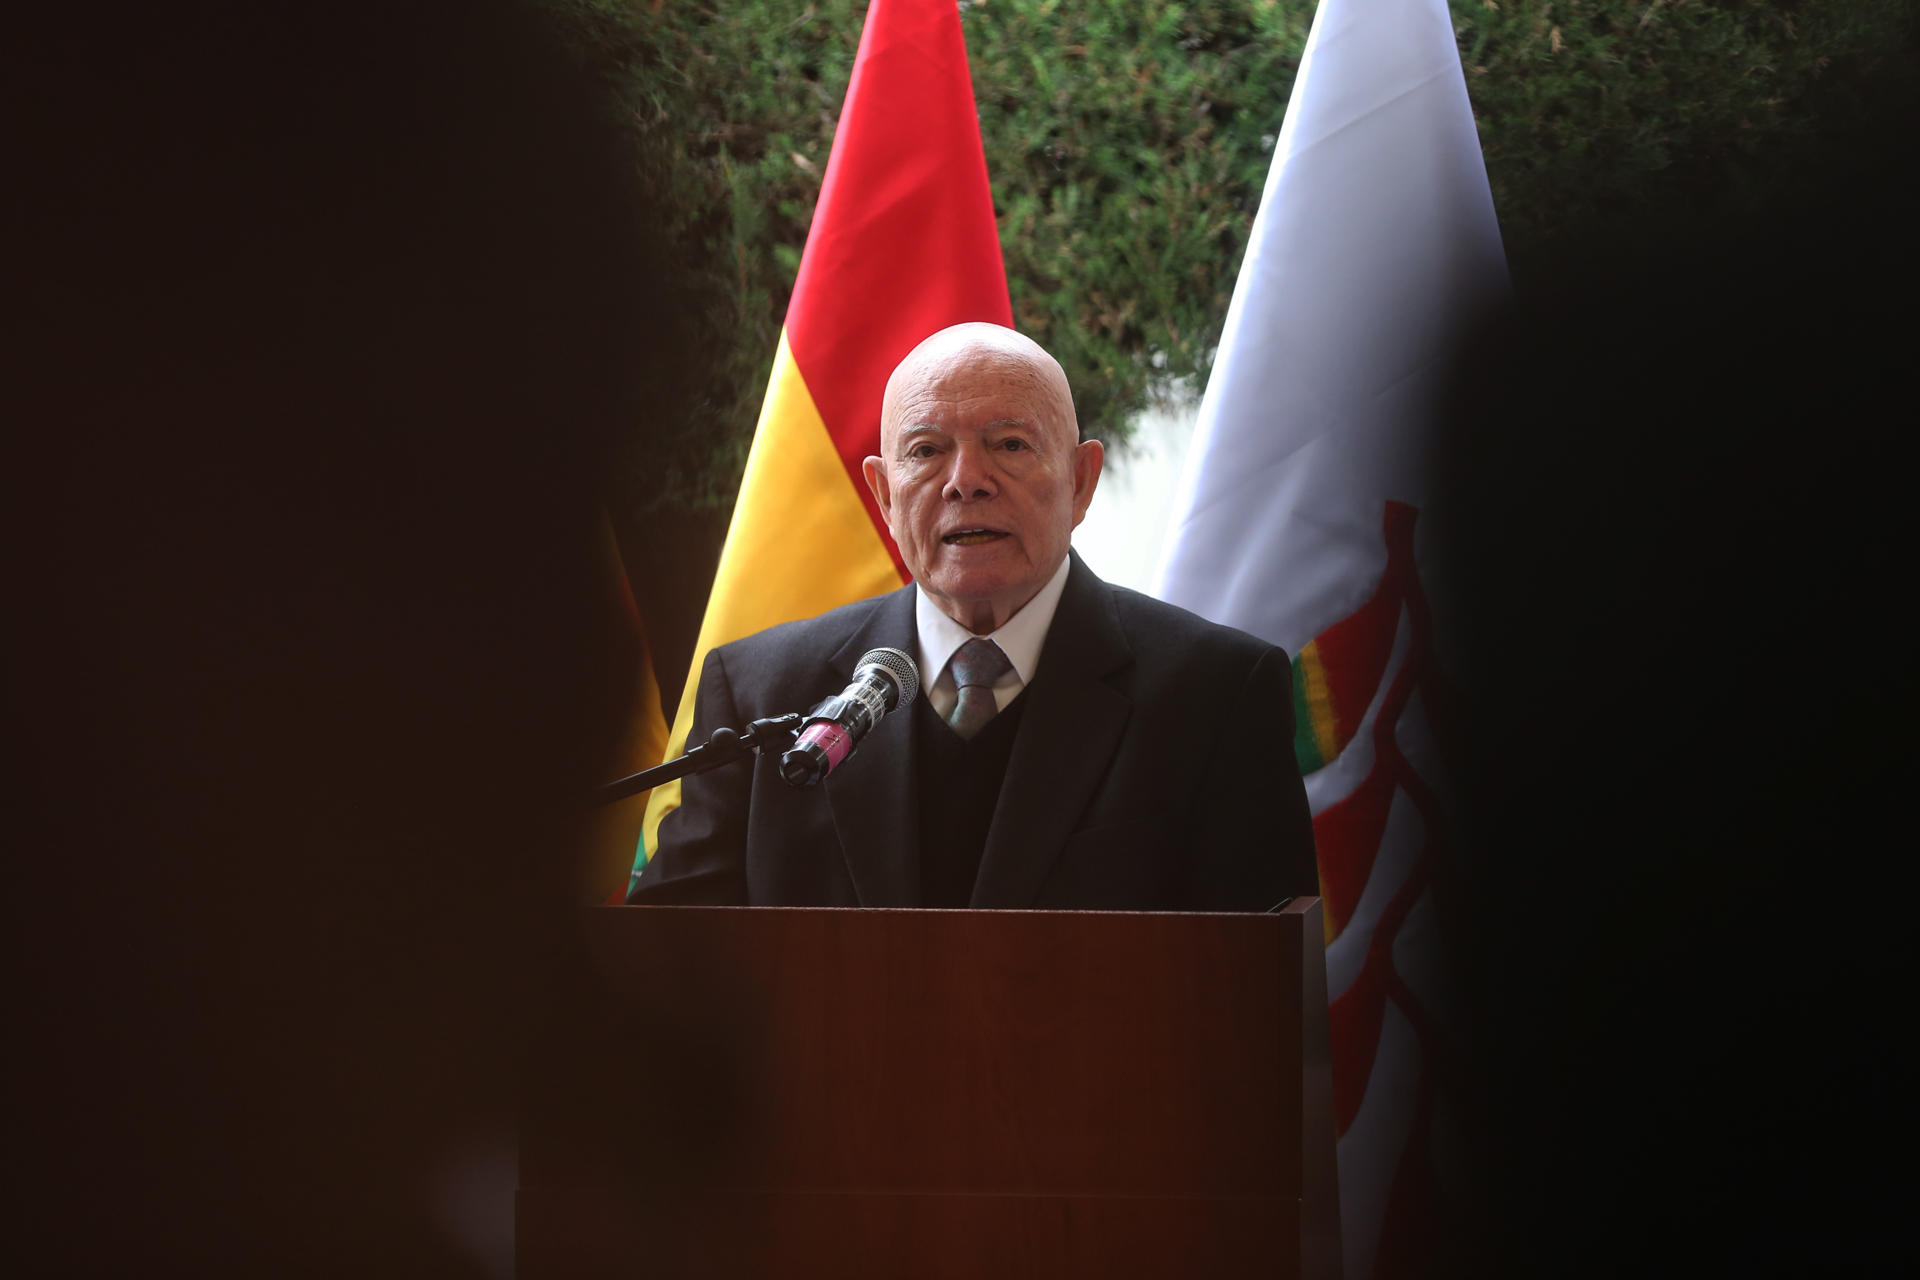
902, 244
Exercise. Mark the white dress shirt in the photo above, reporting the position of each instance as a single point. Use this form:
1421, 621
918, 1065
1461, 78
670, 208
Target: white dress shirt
1020, 638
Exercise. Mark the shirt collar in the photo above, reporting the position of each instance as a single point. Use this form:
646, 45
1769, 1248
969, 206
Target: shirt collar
1020, 637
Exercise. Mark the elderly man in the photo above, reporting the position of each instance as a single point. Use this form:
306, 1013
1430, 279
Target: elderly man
1075, 744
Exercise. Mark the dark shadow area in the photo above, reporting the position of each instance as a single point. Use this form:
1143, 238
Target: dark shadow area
1682, 560
331, 319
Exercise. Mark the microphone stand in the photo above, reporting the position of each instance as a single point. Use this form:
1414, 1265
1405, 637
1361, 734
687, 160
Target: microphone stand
724, 747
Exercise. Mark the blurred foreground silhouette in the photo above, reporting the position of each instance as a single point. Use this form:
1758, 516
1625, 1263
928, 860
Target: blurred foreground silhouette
1681, 478
330, 320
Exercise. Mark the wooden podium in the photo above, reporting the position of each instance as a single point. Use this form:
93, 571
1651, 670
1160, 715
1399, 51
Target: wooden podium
795, 1092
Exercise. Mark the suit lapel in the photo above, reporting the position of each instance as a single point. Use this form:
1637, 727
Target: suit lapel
871, 794
1068, 733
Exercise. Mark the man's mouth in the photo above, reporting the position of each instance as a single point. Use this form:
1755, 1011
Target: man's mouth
969, 537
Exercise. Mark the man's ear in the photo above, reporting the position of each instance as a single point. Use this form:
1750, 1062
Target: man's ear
1088, 456
876, 473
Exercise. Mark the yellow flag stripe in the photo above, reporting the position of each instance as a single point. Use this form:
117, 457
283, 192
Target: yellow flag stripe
800, 543
1319, 702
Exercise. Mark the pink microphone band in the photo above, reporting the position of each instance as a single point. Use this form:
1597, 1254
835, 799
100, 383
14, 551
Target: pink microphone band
830, 738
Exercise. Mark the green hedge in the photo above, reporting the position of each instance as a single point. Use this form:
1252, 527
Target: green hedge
1128, 143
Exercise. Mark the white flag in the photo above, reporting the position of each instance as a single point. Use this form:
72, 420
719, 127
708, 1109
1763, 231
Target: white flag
1299, 519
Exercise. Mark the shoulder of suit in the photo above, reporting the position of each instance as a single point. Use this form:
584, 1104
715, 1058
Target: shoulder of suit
1159, 624
829, 627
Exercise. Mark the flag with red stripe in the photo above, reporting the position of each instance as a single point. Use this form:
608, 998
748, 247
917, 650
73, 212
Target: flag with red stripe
1299, 519
615, 828
903, 243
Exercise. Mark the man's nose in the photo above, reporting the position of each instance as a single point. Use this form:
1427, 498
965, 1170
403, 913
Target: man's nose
971, 474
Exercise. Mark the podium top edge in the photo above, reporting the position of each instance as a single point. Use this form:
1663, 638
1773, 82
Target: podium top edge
1297, 907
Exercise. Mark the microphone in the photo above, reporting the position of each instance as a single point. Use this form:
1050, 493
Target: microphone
883, 680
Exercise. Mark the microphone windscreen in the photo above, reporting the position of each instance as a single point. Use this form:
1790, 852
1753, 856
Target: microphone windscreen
905, 671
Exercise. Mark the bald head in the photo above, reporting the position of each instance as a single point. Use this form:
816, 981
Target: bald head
1021, 365
979, 476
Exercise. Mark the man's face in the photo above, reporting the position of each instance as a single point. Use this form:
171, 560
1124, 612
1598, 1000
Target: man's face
979, 478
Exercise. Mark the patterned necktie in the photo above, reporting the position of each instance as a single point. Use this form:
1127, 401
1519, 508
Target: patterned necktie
977, 665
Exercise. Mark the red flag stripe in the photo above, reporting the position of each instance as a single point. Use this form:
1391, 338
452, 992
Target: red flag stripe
903, 241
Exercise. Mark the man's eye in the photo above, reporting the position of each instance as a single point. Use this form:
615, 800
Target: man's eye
1014, 445
920, 451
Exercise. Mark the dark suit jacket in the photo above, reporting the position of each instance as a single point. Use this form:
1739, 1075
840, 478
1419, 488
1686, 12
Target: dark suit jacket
1153, 770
